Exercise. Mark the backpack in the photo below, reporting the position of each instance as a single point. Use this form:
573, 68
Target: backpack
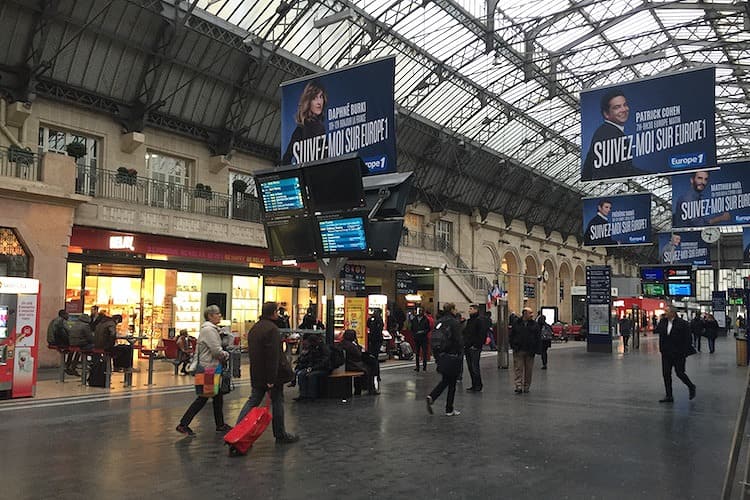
546, 332
337, 357
441, 335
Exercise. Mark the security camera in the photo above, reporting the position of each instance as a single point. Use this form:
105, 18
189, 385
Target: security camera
444, 268
539, 278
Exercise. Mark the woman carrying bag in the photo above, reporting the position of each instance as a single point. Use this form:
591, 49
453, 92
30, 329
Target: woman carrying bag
208, 355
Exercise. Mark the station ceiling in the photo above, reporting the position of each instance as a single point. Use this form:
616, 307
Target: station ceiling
487, 92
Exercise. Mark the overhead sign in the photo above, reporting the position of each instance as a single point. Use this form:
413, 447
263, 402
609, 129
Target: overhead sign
684, 247
659, 125
406, 283
617, 220
712, 198
350, 110
11, 285
352, 278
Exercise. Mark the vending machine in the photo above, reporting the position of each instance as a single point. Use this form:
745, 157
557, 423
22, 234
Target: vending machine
19, 336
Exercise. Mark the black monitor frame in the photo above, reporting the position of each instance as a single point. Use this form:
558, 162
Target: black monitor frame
360, 214
306, 232
343, 175
262, 178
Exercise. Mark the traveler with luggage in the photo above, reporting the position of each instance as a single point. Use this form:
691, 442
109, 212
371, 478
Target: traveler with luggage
184, 352
269, 370
210, 355
313, 364
355, 362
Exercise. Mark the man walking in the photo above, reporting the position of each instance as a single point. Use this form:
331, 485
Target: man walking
626, 329
696, 330
375, 340
474, 335
524, 340
675, 346
421, 332
269, 370
447, 348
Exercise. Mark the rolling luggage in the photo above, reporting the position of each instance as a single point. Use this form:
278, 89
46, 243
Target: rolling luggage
97, 374
249, 429
405, 351
122, 357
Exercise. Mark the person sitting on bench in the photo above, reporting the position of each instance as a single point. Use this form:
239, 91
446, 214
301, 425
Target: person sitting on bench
313, 364
356, 363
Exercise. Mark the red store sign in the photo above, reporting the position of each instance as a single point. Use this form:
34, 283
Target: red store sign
88, 238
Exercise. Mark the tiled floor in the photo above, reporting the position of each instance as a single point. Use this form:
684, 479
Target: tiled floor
591, 427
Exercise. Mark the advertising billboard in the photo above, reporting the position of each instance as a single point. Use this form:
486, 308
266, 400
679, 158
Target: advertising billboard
684, 247
746, 245
617, 220
660, 125
350, 110
712, 198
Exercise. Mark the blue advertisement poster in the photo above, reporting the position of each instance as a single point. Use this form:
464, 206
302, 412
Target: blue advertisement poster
340, 112
684, 247
712, 198
617, 220
660, 125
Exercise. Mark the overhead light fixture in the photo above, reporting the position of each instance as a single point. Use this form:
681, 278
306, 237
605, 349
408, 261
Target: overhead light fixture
333, 18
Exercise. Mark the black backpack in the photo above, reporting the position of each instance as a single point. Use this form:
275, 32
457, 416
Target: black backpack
441, 335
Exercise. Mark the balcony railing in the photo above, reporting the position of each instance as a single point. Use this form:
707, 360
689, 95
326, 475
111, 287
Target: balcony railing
425, 241
101, 183
20, 163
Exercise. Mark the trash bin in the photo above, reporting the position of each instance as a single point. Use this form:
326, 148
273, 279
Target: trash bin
741, 343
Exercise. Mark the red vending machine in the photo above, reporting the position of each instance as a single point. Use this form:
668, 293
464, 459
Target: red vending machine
19, 336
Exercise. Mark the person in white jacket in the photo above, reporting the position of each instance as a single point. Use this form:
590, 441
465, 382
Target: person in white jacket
210, 355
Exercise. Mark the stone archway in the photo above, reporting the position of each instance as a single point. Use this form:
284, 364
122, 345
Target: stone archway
565, 283
531, 284
580, 276
512, 283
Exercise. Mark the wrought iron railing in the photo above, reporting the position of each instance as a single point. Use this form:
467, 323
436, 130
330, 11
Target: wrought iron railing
425, 241
20, 163
101, 183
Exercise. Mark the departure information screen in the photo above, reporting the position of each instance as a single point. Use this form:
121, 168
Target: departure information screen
282, 194
343, 235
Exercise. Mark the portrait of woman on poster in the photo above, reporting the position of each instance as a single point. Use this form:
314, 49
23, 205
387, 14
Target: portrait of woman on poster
309, 118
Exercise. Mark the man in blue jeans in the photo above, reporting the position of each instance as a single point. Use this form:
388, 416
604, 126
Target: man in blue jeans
269, 370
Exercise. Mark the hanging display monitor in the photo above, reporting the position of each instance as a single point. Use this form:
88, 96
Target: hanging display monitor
383, 238
652, 274
680, 289
281, 193
653, 289
291, 238
659, 125
343, 235
335, 185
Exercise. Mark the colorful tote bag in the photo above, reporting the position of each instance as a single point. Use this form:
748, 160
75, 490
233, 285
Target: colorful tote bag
208, 381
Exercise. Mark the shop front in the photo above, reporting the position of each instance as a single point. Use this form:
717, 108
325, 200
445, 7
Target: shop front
160, 285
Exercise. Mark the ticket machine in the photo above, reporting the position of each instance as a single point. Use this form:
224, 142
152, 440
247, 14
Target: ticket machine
19, 336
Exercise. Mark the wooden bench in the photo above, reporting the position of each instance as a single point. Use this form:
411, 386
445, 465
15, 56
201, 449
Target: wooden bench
338, 385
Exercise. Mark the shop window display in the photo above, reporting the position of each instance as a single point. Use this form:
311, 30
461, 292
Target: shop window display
187, 303
245, 305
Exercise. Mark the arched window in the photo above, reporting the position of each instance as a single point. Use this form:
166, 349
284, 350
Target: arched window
14, 259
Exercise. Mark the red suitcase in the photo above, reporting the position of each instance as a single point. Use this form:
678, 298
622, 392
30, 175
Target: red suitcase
247, 431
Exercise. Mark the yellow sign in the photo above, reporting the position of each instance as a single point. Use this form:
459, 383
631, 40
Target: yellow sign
355, 317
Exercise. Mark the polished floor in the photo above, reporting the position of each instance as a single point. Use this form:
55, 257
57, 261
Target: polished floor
590, 428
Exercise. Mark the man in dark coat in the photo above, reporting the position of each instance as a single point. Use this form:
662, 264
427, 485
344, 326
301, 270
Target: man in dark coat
448, 359
269, 370
421, 328
675, 346
696, 330
375, 336
474, 334
525, 339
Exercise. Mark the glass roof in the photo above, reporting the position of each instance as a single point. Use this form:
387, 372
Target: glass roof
515, 89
